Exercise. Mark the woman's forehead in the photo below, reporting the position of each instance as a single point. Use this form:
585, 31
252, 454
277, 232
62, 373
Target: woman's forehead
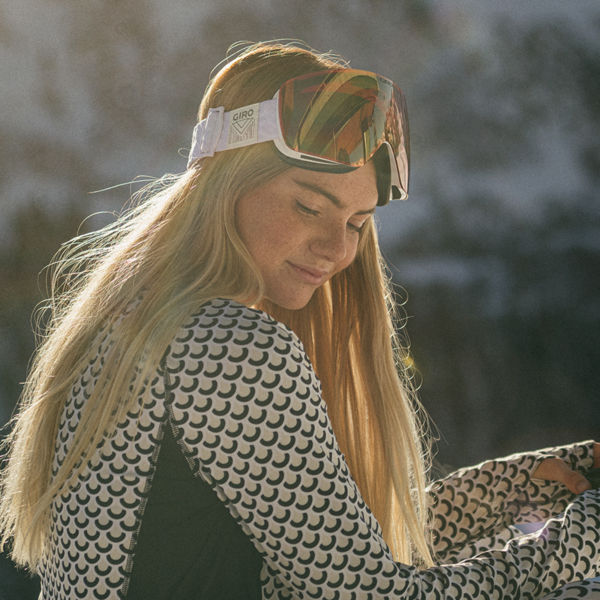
355, 189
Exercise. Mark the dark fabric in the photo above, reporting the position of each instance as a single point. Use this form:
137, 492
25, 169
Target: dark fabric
189, 546
16, 584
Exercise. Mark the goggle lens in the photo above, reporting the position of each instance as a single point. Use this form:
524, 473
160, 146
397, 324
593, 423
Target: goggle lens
345, 116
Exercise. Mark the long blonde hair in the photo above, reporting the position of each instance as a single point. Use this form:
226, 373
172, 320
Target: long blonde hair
174, 251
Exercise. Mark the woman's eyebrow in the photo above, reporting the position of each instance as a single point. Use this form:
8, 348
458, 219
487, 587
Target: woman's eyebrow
313, 187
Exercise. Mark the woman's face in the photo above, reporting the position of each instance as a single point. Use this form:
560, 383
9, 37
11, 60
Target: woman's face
302, 227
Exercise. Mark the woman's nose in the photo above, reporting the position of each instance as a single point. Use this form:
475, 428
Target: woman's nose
331, 243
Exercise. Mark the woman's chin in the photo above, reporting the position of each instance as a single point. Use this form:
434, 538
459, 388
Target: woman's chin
290, 301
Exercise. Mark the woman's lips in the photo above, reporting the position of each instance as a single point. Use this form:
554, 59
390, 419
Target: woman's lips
308, 274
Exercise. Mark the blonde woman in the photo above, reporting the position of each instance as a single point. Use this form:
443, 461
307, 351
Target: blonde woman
221, 408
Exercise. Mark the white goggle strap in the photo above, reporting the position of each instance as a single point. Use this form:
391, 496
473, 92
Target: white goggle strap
243, 126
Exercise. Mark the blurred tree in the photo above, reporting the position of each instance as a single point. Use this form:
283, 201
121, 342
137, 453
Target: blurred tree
36, 236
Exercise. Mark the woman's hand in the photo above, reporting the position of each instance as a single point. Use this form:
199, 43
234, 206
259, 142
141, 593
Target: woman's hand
555, 469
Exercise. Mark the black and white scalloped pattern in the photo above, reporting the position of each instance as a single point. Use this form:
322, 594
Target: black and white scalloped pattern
94, 525
245, 407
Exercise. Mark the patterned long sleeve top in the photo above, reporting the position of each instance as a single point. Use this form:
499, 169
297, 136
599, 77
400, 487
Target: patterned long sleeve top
241, 400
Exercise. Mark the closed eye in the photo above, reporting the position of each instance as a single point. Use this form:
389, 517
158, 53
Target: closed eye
314, 213
358, 228
306, 209
355, 228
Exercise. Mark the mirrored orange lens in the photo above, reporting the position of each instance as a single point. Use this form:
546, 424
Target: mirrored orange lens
345, 115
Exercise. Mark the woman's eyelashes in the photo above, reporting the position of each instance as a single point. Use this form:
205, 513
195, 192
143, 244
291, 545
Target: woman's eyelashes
307, 210
355, 228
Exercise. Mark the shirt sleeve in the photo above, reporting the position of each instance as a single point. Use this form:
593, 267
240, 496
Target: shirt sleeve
246, 409
476, 507
588, 589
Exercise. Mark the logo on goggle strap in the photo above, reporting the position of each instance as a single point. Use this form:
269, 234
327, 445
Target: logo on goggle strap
243, 127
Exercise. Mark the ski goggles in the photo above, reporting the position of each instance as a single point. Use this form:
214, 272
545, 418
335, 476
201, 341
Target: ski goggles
334, 120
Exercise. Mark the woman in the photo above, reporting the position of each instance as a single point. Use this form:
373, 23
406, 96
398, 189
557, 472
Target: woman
176, 435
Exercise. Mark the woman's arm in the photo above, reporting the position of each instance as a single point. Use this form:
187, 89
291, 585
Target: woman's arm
476, 507
246, 409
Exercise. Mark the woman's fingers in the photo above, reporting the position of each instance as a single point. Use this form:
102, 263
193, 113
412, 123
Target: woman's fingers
555, 469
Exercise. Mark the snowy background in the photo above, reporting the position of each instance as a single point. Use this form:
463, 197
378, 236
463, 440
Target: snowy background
498, 248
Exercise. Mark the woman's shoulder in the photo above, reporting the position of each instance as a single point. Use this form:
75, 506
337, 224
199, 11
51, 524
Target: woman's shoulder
225, 345
226, 323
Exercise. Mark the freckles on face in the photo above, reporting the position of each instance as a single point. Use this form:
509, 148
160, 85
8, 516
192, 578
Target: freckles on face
302, 227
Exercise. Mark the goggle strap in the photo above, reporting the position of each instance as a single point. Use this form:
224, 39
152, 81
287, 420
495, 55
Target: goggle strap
236, 128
